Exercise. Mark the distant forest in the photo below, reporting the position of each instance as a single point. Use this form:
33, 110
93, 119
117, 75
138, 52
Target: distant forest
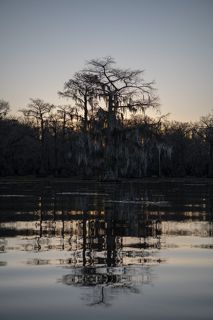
104, 133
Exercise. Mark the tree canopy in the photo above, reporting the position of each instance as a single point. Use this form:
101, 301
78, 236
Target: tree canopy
104, 132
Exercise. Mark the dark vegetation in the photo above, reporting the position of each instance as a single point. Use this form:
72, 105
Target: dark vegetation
105, 133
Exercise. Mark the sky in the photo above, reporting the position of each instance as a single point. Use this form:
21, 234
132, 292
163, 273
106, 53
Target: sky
44, 42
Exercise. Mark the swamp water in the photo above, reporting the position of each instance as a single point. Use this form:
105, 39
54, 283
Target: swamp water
88, 250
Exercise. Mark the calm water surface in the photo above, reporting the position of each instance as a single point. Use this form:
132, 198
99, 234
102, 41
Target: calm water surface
108, 250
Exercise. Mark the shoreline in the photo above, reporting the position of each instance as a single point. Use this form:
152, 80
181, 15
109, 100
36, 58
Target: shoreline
146, 180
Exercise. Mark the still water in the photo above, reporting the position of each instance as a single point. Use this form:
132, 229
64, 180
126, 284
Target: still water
106, 250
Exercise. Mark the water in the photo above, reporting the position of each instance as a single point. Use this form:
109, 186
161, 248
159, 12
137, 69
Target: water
109, 250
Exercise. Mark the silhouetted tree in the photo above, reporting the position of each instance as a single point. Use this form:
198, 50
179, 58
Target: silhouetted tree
39, 111
207, 131
105, 132
19, 150
4, 108
121, 89
80, 90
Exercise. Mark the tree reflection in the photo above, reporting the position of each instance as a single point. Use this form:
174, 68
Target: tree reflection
105, 283
117, 252
108, 240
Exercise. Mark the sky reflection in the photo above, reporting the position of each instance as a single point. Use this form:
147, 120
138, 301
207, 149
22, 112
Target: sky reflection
81, 250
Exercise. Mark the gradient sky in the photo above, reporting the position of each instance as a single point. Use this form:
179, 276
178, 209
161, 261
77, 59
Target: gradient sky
43, 42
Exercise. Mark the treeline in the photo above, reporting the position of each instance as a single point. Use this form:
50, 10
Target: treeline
104, 133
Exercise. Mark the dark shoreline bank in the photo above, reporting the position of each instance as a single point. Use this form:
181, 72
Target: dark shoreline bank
152, 180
